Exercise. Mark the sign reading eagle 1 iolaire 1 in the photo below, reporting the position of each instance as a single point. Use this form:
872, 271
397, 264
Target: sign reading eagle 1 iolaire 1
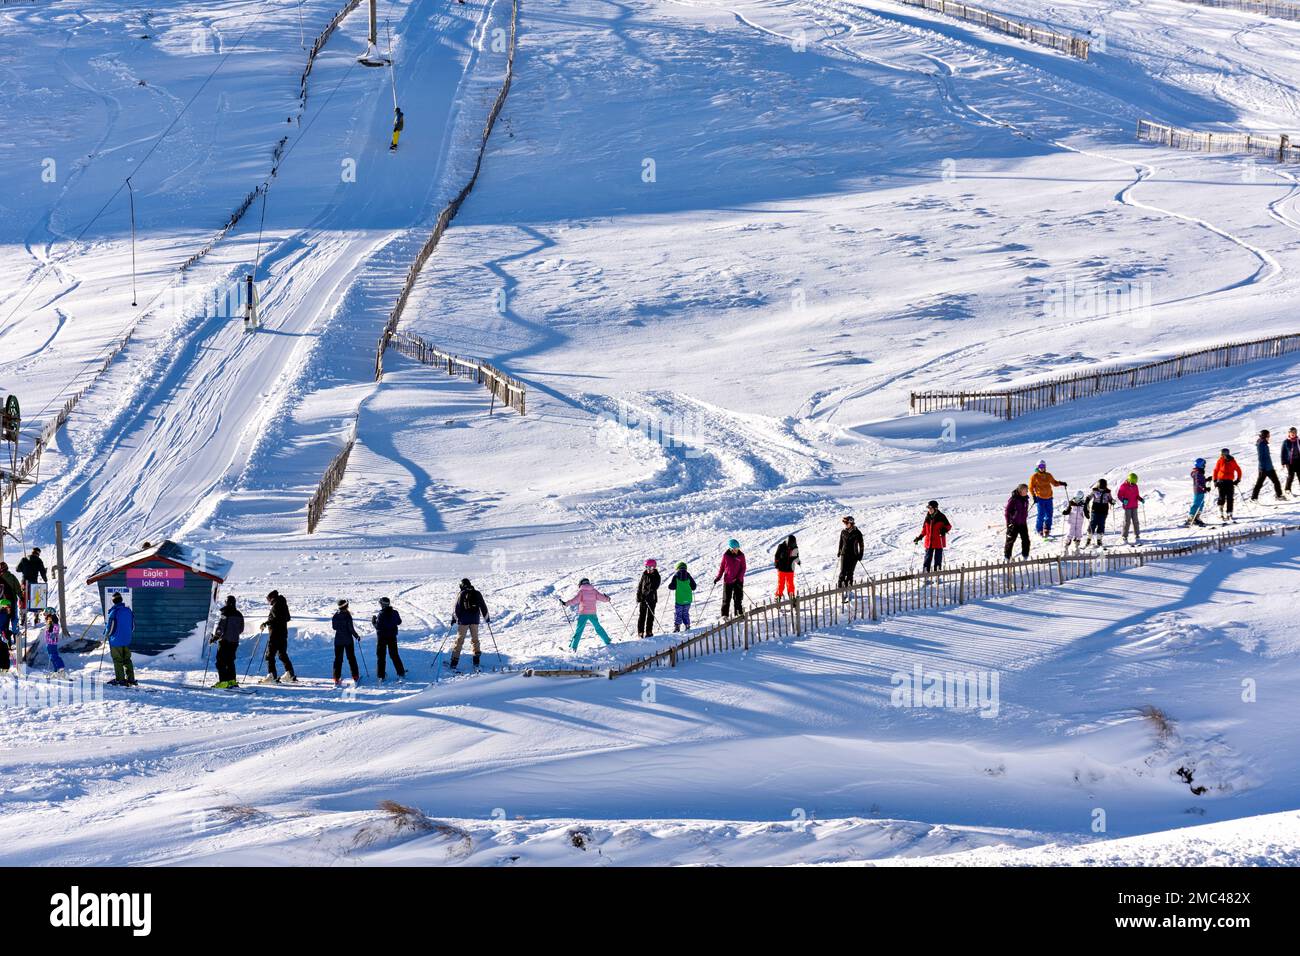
155, 577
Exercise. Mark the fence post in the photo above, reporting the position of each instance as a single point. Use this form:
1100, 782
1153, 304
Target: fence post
794, 605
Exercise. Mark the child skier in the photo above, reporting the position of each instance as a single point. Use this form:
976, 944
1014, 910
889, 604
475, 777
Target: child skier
934, 532
585, 601
1076, 510
1132, 498
6, 632
1097, 509
52, 635
1200, 485
345, 633
647, 596
786, 557
1227, 476
683, 587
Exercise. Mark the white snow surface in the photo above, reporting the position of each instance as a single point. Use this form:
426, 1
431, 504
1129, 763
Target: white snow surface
720, 243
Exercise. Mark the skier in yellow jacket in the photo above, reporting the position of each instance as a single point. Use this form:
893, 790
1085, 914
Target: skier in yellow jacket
1041, 484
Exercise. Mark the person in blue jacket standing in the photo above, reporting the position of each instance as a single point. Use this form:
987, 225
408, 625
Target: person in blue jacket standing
1267, 473
119, 627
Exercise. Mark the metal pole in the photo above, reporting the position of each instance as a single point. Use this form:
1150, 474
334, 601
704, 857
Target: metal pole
374, 23
58, 556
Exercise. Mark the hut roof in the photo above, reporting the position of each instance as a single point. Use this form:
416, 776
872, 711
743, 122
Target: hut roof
195, 560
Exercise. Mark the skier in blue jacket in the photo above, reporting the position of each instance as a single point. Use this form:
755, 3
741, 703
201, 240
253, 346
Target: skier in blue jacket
1200, 487
1266, 470
119, 628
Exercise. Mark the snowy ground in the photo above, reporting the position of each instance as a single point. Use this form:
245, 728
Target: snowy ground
725, 350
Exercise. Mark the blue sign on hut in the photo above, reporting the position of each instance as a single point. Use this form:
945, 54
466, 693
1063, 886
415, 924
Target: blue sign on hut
169, 586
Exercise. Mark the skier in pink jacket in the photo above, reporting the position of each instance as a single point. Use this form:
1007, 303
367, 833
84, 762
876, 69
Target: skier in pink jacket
731, 572
1131, 497
585, 601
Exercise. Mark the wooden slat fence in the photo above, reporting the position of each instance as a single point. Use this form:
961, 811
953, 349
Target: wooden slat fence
504, 389
1062, 42
1013, 402
1281, 9
903, 593
1276, 146
330, 481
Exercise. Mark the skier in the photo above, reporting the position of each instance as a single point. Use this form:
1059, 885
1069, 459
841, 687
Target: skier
11, 588
647, 597
7, 632
226, 637
934, 532
1266, 470
1076, 510
585, 601
385, 624
1200, 485
251, 320
1131, 497
1097, 509
786, 557
31, 569
1227, 476
276, 626
1016, 514
52, 633
345, 634
683, 587
119, 627
1291, 458
849, 552
466, 613
1041, 484
399, 124
731, 572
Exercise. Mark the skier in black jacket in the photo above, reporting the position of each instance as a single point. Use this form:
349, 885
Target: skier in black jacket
386, 623
849, 552
345, 632
277, 639
226, 637
647, 596
469, 606
785, 558
31, 569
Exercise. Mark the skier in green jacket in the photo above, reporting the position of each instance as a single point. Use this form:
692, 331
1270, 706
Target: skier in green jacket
683, 587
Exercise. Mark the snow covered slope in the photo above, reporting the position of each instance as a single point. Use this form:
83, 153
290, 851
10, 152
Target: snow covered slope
720, 242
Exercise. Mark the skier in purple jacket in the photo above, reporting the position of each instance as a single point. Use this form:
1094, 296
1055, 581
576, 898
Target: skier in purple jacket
1017, 516
731, 572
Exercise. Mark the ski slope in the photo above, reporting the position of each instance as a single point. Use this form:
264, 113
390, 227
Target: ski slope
720, 243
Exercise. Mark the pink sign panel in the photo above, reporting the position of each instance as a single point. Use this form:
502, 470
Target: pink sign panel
155, 577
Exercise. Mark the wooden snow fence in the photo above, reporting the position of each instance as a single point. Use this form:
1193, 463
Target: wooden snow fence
1062, 42
330, 481
1281, 9
878, 598
1276, 146
504, 389
1012, 402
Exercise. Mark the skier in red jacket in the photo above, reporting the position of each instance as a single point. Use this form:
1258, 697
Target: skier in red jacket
934, 532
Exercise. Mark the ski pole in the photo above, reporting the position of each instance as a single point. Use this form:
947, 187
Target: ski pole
621, 621
565, 608
256, 643
437, 658
204, 681
496, 650
364, 666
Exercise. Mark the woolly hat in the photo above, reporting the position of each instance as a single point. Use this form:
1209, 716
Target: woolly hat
932, 504
733, 544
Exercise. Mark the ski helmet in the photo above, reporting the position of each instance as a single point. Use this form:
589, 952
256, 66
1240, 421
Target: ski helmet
733, 544
4, 602
343, 602
384, 602
1132, 478
1078, 497
651, 563
1199, 463
1101, 483
584, 581
464, 584
1042, 465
